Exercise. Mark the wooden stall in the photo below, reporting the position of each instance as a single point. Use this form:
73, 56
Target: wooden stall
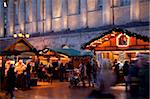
119, 44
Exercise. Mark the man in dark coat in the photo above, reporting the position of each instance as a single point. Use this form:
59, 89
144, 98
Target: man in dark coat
125, 73
10, 81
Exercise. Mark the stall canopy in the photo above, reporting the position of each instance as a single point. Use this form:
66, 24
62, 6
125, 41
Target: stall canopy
65, 51
117, 39
87, 53
17, 47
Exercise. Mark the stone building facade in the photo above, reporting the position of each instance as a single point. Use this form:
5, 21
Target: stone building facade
53, 23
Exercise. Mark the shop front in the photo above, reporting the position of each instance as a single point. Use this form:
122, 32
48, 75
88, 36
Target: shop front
119, 44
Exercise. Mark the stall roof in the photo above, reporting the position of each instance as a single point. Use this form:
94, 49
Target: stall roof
117, 30
15, 46
68, 52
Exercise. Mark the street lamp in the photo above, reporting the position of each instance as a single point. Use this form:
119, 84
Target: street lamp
21, 35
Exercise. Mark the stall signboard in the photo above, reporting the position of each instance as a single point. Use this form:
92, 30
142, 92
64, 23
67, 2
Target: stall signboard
122, 40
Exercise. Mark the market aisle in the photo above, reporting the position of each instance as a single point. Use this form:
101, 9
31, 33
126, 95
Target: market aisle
60, 90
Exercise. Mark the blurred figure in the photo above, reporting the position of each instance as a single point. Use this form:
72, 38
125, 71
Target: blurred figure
28, 70
125, 73
62, 72
10, 81
83, 72
94, 70
143, 62
50, 72
40, 75
89, 72
133, 78
116, 71
105, 79
105, 76
74, 79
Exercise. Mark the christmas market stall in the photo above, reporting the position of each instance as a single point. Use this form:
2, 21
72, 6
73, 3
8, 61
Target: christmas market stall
119, 44
15, 52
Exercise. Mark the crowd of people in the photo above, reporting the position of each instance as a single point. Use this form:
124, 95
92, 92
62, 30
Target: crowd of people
17, 76
103, 74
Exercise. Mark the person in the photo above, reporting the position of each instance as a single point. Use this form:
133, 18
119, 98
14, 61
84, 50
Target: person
10, 81
20, 67
94, 70
7, 66
133, 78
116, 71
125, 73
40, 75
28, 74
50, 72
83, 73
105, 79
144, 76
89, 72
62, 71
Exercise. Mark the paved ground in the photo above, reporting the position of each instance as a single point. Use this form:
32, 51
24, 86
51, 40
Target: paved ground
60, 90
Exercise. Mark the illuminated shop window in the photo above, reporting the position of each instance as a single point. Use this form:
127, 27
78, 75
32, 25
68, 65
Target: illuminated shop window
56, 8
73, 7
124, 2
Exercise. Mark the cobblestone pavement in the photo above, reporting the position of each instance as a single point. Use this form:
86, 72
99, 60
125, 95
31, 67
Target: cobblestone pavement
60, 90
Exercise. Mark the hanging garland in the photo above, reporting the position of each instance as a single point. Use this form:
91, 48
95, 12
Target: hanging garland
124, 31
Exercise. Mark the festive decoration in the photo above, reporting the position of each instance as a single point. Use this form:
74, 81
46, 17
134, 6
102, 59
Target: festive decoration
122, 40
117, 30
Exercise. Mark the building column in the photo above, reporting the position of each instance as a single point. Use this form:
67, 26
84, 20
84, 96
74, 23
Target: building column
21, 15
48, 15
30, 16
134, 10
42, 15
84, 13
10, 17
39, 23
1, 19
64, 15
106, 12
34, 17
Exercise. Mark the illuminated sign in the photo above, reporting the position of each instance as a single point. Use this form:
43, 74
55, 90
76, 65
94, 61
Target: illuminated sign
122, 40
